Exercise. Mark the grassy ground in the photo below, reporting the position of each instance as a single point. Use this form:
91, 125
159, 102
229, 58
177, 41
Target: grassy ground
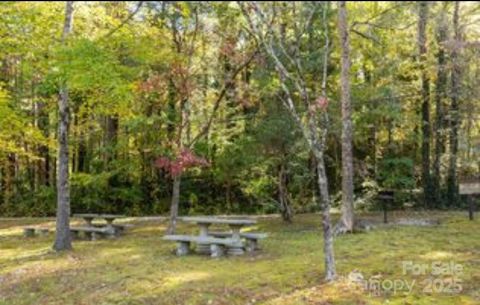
139, 268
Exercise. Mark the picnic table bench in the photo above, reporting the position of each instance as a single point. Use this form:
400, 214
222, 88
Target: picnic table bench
32, 230
215, 243
250, 237
119, 228
89, 217
92, 233
95, 230
204, 222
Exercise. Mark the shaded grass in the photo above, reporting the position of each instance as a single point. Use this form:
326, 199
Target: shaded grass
140, 268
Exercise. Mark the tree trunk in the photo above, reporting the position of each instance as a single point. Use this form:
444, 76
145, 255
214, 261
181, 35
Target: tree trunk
9, 181
441, 95
174, 205
230, 98
84, 143
82, 153
43, 165
422, 39
310, 128
452, 185
62, 237
347, 218
283, 199
326, 223
228, 194
374, 152
111, 131
74, 134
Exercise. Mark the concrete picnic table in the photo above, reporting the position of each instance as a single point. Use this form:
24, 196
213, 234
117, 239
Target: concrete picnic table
109, 218
204, 222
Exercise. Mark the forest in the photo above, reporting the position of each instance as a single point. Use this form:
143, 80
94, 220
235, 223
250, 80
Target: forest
153, 80
292, 109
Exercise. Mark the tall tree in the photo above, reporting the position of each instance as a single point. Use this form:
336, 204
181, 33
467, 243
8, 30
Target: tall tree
425, 93
347, 219
180, 77
183, 77
452, 183
308, 112
440, 98
62, 237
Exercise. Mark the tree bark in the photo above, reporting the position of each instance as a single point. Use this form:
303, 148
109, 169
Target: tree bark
174, 205
347, 219
9, 179
111, 134
452, 184
440, 97
62, 237
330, 272
82, 153
73, 120
422, 46
283, 198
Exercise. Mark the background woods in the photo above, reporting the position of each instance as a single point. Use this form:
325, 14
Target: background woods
180, 107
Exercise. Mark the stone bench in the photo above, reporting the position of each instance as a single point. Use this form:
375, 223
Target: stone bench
251, 238
217, 245
31, 231
92, 233
118, 227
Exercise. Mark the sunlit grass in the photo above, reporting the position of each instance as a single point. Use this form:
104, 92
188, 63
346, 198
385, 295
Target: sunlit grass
140, 268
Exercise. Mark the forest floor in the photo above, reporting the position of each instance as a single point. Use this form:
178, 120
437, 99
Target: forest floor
140, 268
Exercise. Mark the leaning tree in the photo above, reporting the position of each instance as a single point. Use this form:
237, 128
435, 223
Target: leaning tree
285, 33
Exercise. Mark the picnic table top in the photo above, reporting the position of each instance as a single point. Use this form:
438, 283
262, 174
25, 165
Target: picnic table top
104, 216
217, 220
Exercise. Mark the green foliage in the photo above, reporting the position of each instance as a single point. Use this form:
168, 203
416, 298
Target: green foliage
396, 173
15, 128
147, 88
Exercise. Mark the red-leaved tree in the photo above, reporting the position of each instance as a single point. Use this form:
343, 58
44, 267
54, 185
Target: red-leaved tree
184, 160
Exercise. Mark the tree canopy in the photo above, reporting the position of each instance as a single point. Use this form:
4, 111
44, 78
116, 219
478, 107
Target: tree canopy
192, 92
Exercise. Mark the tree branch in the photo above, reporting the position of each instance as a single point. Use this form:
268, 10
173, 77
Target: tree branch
129, 17
222, 93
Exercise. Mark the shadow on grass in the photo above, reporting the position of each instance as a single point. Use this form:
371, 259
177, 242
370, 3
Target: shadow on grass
139, 267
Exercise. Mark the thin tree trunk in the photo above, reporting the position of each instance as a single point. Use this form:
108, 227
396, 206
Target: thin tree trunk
452, 185
74, 135
328, 250
283, 199
43, 165
62, 237
374, 151
310, 128
82, 153
36, 164
111, 134
230, 102
228, 195
2, 183
441, 94
9, 189
347, 219
422, 40
178, 178
174, 205
326, 222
